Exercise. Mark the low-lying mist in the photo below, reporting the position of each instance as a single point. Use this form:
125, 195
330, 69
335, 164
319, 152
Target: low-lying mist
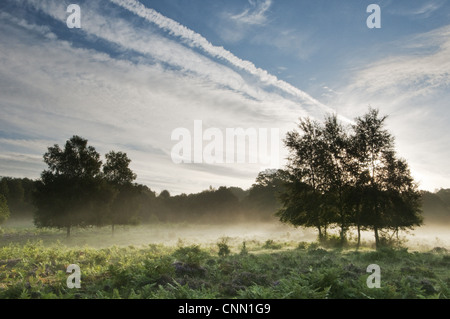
170, 234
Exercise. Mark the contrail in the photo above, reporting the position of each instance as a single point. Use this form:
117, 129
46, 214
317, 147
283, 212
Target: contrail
196, 40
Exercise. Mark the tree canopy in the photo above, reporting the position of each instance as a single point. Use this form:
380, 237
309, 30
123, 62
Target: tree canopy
116, 169
348, 177
74, 191
124, 207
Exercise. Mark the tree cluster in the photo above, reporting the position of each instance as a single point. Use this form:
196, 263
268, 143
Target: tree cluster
77, 189
348, 177
337, 177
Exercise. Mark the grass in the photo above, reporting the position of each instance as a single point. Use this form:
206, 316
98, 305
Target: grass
33, 264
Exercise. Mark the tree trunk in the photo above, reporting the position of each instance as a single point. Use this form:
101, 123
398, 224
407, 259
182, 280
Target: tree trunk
342, 215
68, 232
342, 234
112, 227
359, 237
320, 233
377, 238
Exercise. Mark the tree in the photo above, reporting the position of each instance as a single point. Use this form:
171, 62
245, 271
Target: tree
147, 211
68, 193
116, 169
348, 178
337, 176
263, 196
4, 210
390, 199
125, 205
164, 195
77, 160
300, 205
303, 201
404, 199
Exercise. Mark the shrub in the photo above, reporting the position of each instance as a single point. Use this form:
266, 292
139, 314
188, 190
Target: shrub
270, 244
244, 250
224, 249
333, 241
191, 255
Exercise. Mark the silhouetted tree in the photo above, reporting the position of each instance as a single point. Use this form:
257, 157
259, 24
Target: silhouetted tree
390, 197
69, 191
125, 205
147, 210
404, 201
116, 169
239, 192
164, 194
263, 197
303, 201
301, 205
345, 179
338, 183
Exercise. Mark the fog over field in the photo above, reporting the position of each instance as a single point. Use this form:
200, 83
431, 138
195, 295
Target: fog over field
422, 238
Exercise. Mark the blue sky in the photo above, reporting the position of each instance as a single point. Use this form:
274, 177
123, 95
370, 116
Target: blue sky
136, 71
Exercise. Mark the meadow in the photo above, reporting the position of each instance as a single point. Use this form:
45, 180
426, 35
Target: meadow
203, 261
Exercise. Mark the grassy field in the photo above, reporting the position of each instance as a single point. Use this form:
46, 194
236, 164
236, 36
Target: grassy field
33, 264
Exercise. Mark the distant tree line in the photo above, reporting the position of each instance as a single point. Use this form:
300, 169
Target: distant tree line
224, 204
136, 203
258, 203
436, 207
18, 194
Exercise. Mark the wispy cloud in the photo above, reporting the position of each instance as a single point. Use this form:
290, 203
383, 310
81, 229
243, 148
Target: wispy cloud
414, 74
413, 89
424, 10
131, 75
52, 89
255, 15
196, 40
428, 8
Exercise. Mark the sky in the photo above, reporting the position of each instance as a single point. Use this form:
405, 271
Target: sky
137, 75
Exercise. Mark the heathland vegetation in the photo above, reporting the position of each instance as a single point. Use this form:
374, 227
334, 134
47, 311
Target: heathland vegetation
249, 270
